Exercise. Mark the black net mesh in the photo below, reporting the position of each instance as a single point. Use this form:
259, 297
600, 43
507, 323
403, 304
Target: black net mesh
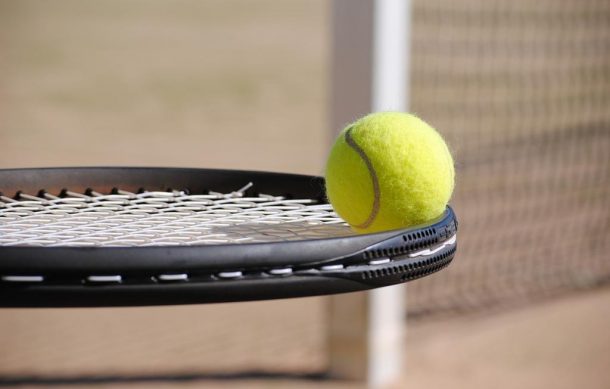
521, 90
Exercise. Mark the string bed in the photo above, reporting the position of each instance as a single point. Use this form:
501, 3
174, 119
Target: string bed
153, 218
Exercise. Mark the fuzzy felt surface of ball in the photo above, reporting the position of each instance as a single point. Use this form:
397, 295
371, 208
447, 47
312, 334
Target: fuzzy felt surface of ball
389, 170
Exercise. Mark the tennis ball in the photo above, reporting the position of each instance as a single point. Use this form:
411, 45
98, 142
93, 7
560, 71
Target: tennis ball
389, 170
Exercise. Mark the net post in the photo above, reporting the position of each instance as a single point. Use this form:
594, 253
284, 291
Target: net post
369, 72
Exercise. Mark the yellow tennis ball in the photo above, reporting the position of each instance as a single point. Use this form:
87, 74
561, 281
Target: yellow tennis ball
389, 170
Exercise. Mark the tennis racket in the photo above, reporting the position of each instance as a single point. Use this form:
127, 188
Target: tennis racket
114, 236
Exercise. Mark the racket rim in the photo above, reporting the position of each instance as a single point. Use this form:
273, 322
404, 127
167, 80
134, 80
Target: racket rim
340, 264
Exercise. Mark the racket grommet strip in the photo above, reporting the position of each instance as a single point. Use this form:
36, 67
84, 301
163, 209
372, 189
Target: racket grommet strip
230, 274
379, 261
113, 279
331, 267
25, 279
172, 277
280, 272
451, 241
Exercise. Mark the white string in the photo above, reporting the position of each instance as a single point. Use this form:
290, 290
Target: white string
162, 219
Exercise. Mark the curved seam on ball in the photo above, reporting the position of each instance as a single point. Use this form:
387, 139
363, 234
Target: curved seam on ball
369, 165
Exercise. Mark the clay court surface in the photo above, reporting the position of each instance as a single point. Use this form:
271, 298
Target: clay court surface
235, 85
561, 343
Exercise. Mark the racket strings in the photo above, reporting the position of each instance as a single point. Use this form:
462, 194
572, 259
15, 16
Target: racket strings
161, 218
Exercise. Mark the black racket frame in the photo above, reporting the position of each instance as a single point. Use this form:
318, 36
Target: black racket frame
133, 276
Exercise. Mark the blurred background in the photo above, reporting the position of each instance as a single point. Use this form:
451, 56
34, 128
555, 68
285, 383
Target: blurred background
520, 89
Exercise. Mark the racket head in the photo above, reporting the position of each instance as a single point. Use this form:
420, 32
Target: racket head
154, 274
